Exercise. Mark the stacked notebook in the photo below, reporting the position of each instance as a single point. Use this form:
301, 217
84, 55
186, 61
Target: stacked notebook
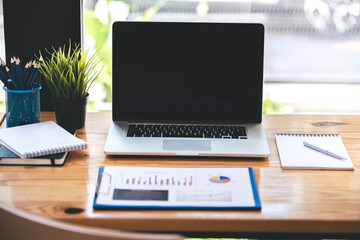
44, 143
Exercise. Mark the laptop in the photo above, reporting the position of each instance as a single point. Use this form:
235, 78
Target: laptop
187, 89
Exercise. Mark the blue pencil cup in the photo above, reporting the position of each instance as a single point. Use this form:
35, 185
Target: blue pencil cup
22, 106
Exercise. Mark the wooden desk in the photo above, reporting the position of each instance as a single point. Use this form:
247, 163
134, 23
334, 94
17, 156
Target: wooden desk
294, 202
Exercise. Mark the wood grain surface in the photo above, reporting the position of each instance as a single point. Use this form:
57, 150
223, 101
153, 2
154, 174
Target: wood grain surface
293, 201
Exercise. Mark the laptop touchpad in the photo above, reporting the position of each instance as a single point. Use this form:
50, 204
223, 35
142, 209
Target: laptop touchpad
187, 145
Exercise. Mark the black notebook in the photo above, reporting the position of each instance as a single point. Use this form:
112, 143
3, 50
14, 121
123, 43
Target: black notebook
7, 157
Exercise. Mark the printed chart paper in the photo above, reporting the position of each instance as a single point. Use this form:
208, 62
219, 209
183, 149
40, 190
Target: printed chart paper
177, 187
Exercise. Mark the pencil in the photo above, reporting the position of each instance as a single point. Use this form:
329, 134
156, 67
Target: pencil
18, 78
10, 75
3, 74
13, 74
33, 75
25, 75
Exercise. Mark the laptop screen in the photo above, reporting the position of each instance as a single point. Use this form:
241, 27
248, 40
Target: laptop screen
187, 72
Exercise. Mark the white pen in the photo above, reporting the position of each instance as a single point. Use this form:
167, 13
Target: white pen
327, 152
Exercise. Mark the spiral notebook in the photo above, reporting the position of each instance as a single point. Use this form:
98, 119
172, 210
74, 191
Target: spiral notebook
39, 139
295, 155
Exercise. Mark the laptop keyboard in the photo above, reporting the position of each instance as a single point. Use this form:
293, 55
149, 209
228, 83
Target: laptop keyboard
190, 131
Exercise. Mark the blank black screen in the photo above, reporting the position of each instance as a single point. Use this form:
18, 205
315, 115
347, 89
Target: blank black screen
187, 72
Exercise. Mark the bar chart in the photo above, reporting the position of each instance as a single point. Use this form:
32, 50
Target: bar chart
159, 180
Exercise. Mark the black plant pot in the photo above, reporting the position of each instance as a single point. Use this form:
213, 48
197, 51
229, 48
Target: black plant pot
70, 114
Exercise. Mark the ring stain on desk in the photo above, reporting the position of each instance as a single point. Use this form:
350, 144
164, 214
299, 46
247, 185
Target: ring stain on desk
327, 124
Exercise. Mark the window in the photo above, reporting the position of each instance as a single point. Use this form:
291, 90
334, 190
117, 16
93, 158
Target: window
2, 55
312, 47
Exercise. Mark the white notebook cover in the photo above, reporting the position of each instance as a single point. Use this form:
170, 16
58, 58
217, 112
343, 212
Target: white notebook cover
39, 139
294, 155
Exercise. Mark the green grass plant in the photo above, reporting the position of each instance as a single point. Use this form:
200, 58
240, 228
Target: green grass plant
69, 73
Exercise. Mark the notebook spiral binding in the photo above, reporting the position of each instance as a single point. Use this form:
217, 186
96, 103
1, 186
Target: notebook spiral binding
308, 135
55, 150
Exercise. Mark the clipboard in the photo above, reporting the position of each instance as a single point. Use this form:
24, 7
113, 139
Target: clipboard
176, 188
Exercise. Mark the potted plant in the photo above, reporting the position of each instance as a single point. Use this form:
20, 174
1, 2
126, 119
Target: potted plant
69, 75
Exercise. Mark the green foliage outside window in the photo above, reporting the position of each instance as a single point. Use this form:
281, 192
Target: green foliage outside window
100, 33
270, 107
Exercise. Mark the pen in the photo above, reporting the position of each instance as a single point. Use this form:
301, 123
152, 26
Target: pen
323, 151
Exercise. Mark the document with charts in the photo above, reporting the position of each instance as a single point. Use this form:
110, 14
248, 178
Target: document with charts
176, 187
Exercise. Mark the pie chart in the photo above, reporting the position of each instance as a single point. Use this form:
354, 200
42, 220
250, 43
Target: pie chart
219, 179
